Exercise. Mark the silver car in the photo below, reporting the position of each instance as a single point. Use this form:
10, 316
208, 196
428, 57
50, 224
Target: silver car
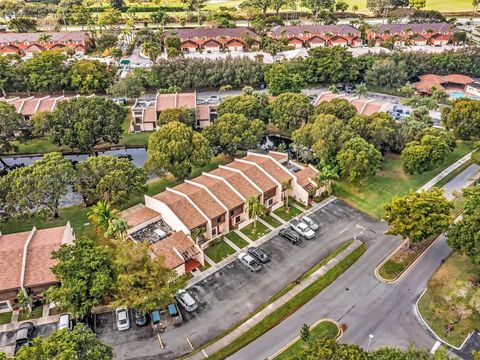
123, 320
249, 262
311, 224
302, 228
186, 300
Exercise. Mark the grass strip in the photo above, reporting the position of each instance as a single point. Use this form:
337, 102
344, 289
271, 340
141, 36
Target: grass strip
269, 219
291, 306
236, 239
5, 318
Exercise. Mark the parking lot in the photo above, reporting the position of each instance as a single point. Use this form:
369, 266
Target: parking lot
7, 339
232, 293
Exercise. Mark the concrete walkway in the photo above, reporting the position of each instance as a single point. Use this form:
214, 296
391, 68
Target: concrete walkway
243, 236
446, 172
247, 325
258, 242
40, 321
231, 244
266, 224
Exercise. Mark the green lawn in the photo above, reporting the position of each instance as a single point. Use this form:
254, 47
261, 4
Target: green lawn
255, 234
287, 215
35, 314
323, 330
218, 251
271, 221
133, 139
449, 294
289, 307
390, 180
293, 201
236, 239
5, 317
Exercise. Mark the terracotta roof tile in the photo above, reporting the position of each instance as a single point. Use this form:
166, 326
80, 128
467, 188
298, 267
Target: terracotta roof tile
270, 167
221, 190
178, 100
140, 216
165, 248
202, 199
185, 211
314, 29
11, 250
304, 174
420, 27
213, 33
237, 181
34, 37
254, 174
278, 156
203, 112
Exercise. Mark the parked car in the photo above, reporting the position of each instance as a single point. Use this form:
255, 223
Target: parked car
302, 229
123, 320
291, 236
213, 99
89, 321
186, 300
258, 254
201, 102
249, 262
311, 224
140, 317
349, 88
64, 322
24, 335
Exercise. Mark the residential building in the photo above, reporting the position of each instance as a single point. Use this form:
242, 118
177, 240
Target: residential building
452, 82
313, 36
216, 40
145, 112
473, 89
26, 261
363, 106
31, 43
29, 106
437, 34
215, 203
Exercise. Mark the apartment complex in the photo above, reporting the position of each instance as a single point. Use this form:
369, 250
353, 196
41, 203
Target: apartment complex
29, 106
215, 203
31, 43
145, 112
436, 34
26, 261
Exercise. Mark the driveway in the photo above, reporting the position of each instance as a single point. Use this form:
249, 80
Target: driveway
232, 293
7, 339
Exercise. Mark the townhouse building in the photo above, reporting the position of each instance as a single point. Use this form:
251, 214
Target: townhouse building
31, 43
29, 106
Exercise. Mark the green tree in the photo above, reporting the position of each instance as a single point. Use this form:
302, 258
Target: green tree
45, 71
102, 215
84, 122
280, 80
322, 348
387, 73
261, 5
109, 178
318, 6
361, 90
378, 129
10, 123
141, 281
183, 115
152, 49
36, 189
326, 176
290, 111
131, 86
305, 334
255, 208
194, 4
329, 65
234, 131
23, 24
425, 155
24, 302
379, 7
85, 274
160, 17
253, 106
418, 4
340, 108
178, 149
89, 76
463, 118
358, 160
80, 343
418, 215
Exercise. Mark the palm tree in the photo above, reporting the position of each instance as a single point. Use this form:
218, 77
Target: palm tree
354, 9
286, 185
44, 37
326, 176
117, 228
152, 50
255, 209
360, 90
333, 89
197, 233
101, 216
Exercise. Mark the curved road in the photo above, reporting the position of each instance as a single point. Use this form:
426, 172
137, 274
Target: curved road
365, 304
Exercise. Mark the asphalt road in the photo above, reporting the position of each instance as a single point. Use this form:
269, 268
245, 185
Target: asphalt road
461, 181
233, 292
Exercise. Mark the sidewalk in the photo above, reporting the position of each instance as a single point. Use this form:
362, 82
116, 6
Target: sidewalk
271, 234
247, 325
40, 321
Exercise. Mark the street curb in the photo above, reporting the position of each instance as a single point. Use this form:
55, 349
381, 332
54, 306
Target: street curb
339, 335
425, 325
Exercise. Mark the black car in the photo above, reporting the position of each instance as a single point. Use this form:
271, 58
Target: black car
140, 317
258, 254
290, 235
24, 335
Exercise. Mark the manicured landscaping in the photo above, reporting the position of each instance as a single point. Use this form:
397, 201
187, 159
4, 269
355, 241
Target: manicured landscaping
291, 306
218, 251
391, 181
205, 266
236, 239
293, 201
454, 173
257, 233
323, 330
36, 313
5, 317
402, 259
452, 298
269, 219
285, 215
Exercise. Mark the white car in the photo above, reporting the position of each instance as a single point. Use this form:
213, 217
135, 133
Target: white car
123, 320
64, 322
311, 224
302, 228
186, 300
213, 99
249, 262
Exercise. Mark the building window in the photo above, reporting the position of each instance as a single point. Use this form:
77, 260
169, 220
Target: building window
219, 219
237, 219
214, 232
232, 212
270, 202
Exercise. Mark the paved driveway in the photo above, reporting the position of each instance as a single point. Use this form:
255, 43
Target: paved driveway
232, 293
7, 339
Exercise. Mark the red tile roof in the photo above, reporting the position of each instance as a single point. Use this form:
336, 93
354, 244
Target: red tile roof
297, 30
304, 175
270, 167
140, 216
166, 249
178, 100
221, 190
34, 37
238, 32
200, 197
254, 174
242, 185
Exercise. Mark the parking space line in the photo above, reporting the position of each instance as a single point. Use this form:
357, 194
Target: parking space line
160, 340
189, 343
204, 353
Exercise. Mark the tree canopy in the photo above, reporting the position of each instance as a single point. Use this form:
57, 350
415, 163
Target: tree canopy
339, 108
463, 118
252, 106
176, 148
290, 111
10, 123
182, 114
280, 80
378, 129
91, 76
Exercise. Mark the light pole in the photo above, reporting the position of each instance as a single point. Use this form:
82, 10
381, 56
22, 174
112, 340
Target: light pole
370, 338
